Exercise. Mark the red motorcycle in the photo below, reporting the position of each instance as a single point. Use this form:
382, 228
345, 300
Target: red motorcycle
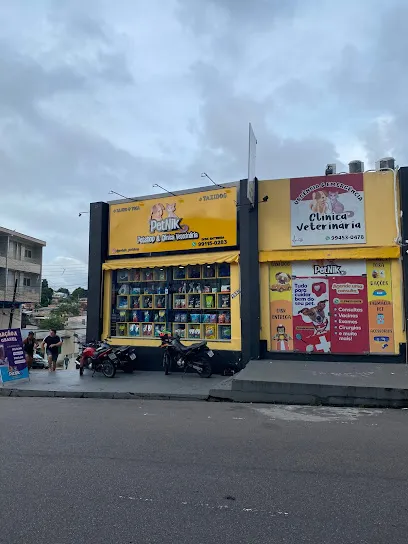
98, 357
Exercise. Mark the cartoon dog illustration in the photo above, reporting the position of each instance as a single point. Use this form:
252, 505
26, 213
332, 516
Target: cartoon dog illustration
283, 284
319, 202
316, 314
157, 211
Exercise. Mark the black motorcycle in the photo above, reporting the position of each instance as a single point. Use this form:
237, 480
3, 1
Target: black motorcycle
185, 357
126, 358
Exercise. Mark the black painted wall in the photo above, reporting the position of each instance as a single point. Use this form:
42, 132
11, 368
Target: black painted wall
249, 270
98, 251
403, 183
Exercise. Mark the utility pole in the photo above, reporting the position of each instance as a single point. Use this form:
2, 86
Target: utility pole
13, 305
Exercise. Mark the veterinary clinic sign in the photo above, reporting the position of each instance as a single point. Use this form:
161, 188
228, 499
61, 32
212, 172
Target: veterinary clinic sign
327, 210
172, 223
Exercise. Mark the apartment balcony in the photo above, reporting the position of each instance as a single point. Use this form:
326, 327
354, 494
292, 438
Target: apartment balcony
27, 265
23, 295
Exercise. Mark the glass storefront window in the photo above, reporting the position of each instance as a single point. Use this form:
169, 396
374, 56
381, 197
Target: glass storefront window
193, 302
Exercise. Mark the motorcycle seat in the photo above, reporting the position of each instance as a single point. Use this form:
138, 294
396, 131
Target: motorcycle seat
184, 348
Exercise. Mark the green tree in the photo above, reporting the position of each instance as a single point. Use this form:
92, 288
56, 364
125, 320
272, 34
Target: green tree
79, 292
67, 309
63, 290
46, 293
53, 322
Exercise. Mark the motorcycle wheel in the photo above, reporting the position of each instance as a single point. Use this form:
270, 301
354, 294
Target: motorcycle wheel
166, 363
108, 369
206, 370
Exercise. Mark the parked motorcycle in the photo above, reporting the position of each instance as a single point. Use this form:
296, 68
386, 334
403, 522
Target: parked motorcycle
195, 356
126, 357
98, 357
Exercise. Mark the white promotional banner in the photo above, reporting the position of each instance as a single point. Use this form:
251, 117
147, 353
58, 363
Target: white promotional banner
327, 210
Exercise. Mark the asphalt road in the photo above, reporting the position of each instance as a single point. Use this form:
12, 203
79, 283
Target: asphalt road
127, 472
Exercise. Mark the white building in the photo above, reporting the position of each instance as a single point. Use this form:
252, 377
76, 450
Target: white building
20, 273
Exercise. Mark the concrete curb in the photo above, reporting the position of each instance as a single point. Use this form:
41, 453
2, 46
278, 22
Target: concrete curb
100, 395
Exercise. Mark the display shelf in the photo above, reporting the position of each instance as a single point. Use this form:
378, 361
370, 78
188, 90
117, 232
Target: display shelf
179, 273
134, 301
194, 301
210, 331
180, 329
223, 301
146, 302
194, 272
179, 301
194, 331
134, 329
159, 302
122, 302
208, 301
209, 271
223, 270
122, 329
224, 332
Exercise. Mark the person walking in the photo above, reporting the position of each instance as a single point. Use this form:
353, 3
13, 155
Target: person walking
29, 344
66, 362
52, 344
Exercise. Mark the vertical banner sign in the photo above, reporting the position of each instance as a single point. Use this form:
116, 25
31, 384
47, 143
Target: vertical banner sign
311, 318
251, 166
13, 365
348, 303
327, 210
380, 312
280, 300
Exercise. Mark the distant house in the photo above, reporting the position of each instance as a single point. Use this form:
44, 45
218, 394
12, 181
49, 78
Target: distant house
20, 273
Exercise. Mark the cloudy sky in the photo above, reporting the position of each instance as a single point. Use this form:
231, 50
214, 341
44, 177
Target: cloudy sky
98, 95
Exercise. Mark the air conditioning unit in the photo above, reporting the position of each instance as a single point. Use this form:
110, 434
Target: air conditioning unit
387, 163
356, 167
330, 169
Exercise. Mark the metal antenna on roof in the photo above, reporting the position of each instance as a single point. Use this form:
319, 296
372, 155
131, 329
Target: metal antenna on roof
205, 175
165, 190
115, 193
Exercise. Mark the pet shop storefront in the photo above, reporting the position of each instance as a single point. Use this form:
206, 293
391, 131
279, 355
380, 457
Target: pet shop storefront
173, 265
330, 271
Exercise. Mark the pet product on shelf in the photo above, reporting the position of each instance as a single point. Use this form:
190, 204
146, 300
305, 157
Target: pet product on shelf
124, 289
134, 330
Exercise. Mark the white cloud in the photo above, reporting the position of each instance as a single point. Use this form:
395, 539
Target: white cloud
97, 96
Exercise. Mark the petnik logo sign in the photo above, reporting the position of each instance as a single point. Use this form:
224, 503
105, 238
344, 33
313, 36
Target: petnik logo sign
165, 225
198, 220
327, 210
328, 270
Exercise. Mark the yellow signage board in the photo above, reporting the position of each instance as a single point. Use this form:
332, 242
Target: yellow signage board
174, 223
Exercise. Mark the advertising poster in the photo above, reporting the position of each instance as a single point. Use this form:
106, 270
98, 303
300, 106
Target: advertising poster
173, 223
380, 308
327, 210
13, 365
280, 297
311, 318
349, 312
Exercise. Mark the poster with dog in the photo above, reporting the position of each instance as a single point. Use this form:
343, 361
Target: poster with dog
327, 210
280, 299
311, 315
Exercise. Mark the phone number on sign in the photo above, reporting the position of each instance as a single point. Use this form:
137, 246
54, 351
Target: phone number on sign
351, 237
213, 243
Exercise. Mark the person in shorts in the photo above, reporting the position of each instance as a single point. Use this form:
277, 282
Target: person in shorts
51, 345
29, 345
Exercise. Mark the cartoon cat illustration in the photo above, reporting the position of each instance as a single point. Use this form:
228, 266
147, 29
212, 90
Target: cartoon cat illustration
336, 205
171, 212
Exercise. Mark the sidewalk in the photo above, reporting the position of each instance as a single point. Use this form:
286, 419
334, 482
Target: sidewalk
330, 384
152, 385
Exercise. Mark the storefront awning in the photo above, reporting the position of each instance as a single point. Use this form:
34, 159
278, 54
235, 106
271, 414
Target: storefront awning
330, 253
173, 260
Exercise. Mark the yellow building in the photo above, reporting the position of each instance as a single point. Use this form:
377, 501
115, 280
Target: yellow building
330, 265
